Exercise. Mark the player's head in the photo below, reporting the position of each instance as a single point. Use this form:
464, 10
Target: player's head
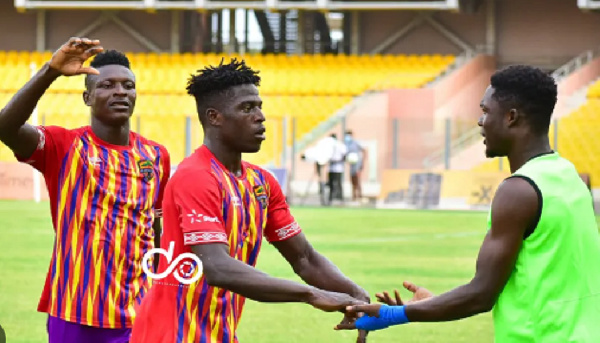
111, 95
229, 106
518, 104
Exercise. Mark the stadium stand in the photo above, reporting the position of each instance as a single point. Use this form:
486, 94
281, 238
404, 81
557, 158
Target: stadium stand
308, 87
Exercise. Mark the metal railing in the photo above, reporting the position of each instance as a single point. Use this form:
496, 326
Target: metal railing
457, 145
319, 5
575, 63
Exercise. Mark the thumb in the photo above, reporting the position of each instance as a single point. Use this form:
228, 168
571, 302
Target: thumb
410, 286
87, 70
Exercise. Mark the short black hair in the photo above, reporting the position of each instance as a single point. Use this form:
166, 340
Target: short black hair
528, 89
108, 57
217, 81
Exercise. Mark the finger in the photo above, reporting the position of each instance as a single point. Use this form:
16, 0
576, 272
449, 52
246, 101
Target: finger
86, 41
410, 286
380, 298
362, 336
73, 41
388, 299
398, 299
87, 70
368, 309
91, 52
349, 326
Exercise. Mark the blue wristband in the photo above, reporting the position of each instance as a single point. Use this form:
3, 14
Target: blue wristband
388, 316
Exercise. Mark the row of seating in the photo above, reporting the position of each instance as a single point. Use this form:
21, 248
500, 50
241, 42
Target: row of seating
281, 74
165, 119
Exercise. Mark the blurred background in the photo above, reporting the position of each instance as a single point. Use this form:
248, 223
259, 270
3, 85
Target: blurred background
405, 78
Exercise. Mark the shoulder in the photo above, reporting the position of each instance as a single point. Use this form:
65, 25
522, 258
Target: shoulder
61, 131
517, 189
517, 199
192, 171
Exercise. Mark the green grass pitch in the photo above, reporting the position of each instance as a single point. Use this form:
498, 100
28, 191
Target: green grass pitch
378, 249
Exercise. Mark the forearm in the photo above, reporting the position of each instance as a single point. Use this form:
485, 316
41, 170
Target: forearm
461, 302
251, 283
18, 110
318, 271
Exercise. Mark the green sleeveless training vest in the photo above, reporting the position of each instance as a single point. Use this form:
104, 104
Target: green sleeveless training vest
553, 293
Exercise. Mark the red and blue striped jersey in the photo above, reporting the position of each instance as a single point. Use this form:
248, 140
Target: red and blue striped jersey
205, 203
103, 199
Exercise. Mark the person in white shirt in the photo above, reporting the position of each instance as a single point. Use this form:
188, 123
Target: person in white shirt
336, 168
328, 151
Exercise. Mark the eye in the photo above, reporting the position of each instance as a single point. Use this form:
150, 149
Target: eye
248, 108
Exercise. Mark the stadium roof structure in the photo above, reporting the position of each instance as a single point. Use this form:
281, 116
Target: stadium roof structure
321, 5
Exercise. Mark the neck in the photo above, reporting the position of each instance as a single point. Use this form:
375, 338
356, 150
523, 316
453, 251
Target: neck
116, 135
526, 150
232, 160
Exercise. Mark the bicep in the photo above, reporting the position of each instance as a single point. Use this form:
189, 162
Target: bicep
24, 141
514, 210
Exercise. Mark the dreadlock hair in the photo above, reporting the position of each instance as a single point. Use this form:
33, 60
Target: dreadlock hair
107, 57
212, 84
528, 89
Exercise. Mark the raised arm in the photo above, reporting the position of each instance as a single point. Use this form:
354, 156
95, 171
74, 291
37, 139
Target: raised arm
21, 137
514, 210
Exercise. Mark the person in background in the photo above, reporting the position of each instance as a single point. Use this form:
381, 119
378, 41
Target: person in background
336, 169
356, 157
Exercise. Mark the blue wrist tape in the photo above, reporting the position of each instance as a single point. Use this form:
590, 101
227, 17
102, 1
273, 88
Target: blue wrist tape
388, 316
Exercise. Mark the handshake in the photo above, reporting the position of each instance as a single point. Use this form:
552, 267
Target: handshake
359, 314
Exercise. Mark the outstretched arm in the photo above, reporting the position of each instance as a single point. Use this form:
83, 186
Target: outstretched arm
315, 269
223, 271
514, 210
21, 137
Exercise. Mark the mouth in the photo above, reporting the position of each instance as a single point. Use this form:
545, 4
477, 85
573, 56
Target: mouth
260, 134
483, 135
120, 105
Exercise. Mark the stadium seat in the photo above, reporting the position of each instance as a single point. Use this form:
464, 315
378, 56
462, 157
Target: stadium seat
309, 88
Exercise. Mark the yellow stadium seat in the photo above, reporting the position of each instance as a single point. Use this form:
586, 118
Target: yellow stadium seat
309, 88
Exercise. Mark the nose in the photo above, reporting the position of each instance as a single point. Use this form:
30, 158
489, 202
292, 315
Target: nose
260, 117
120, 89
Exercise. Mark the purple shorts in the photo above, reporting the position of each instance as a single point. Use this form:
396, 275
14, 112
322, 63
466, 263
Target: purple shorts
60, 331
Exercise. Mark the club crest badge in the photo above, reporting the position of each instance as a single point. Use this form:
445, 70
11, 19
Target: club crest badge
147, 169
261, 195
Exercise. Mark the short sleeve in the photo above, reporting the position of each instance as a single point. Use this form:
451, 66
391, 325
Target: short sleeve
165, 161
281, 225
198, 199
53, 144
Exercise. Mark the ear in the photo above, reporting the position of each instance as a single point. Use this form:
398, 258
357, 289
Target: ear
214, 117
86, 97
512, 117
